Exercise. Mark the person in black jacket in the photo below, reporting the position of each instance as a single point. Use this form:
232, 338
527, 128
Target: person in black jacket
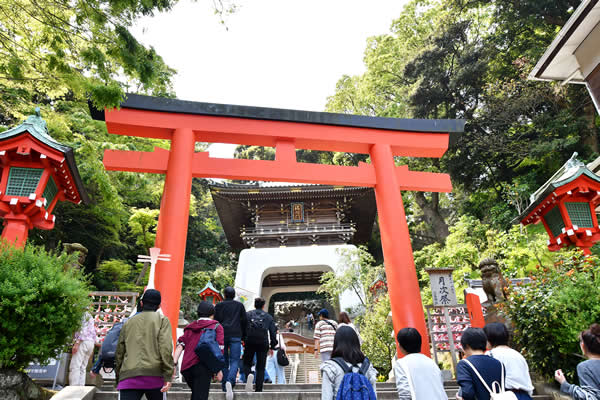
261, 328
231, 315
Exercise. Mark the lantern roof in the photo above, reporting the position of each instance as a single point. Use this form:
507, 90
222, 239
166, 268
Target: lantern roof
566, 174
208, 287
379, 278
37, 128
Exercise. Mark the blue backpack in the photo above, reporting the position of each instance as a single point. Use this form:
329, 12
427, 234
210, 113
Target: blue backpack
209, 352
355, 385
109, 346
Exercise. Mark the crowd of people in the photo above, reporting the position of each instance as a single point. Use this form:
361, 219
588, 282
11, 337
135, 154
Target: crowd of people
145, 361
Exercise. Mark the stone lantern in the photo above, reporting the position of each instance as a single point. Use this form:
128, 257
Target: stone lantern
566, 206
36, 173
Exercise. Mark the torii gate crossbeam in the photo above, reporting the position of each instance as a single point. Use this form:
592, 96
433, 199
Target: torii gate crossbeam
185, 123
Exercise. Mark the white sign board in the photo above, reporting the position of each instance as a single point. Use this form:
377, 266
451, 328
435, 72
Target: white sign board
442, 287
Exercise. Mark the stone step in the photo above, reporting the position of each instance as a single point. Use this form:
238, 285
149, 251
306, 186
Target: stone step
272, 395
269, 387
451, 385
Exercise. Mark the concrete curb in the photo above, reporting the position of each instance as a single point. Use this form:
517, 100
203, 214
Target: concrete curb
76, 393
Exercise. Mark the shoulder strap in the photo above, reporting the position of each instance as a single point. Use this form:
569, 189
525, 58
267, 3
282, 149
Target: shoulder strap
330, 324
501, 366
364, 367
479, 376
342, 364
406, 370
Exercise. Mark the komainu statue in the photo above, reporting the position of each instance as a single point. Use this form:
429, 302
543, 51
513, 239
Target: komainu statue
80, 249
493, 281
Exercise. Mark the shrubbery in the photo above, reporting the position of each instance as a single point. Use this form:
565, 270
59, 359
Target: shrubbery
549, 313
377, 332
41, 305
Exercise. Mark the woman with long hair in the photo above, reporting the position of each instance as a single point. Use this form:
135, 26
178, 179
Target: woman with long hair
344, 320
346, 350
588, 371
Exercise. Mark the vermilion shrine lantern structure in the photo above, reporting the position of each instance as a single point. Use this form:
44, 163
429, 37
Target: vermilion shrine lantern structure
36, 173
184, 123
566, 206
210, 294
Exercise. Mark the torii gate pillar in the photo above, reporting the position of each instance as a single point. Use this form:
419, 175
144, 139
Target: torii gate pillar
172, 227
400, 269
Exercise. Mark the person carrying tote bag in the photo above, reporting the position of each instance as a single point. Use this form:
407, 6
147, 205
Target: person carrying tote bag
275, 366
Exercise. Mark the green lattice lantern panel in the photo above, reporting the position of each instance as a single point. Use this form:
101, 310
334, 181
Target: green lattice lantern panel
580, 214
50, 191
23, 181
554, 221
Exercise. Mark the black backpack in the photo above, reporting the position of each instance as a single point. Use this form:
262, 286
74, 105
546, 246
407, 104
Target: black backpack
257, 328
109, 346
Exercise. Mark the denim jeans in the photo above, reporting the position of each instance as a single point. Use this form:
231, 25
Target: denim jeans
232, 351
275, 370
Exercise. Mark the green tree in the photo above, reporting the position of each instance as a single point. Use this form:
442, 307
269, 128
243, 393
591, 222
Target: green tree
116, 275
38, 290
61, 49
356, 273
377, 332
517, 251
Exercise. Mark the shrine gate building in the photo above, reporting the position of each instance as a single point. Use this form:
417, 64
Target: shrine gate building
291, 235
183, 123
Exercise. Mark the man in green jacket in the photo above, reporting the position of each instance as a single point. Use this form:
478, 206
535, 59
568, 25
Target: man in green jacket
144, 357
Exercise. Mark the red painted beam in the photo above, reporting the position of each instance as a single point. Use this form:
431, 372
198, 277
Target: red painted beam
267, 133
284, 171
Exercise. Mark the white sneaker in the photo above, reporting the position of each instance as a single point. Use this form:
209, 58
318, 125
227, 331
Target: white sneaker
249, 382
229, 391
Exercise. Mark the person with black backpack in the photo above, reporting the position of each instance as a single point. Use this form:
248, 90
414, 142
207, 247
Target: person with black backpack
106, 355
261, 332
348, 372
199, 372
232, 315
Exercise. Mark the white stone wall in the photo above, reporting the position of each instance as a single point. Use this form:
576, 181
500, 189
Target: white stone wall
256, 263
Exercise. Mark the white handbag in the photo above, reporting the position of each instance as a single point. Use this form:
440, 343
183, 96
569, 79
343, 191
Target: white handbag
497, 392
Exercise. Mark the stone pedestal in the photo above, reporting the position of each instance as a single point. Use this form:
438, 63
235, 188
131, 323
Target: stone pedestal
16, 385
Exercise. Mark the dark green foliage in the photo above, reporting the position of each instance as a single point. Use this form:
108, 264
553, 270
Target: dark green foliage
41, 306
549, 314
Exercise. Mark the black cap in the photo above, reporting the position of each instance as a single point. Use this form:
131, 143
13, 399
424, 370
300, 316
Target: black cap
151, 296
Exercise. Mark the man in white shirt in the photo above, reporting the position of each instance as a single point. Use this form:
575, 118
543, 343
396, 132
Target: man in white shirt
417, 376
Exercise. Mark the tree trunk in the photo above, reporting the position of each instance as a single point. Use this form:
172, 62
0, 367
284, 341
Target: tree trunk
142, 274
591, 139
433, 217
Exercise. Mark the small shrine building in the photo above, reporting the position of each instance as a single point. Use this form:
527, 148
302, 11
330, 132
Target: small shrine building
36, 172
291, 235
210, 294
566, 206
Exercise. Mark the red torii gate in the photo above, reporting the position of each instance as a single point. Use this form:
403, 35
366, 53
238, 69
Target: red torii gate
184, 123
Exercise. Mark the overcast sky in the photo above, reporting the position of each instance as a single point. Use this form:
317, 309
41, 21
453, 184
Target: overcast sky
274, 53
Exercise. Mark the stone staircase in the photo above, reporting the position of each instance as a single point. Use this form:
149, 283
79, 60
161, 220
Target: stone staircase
385, 391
